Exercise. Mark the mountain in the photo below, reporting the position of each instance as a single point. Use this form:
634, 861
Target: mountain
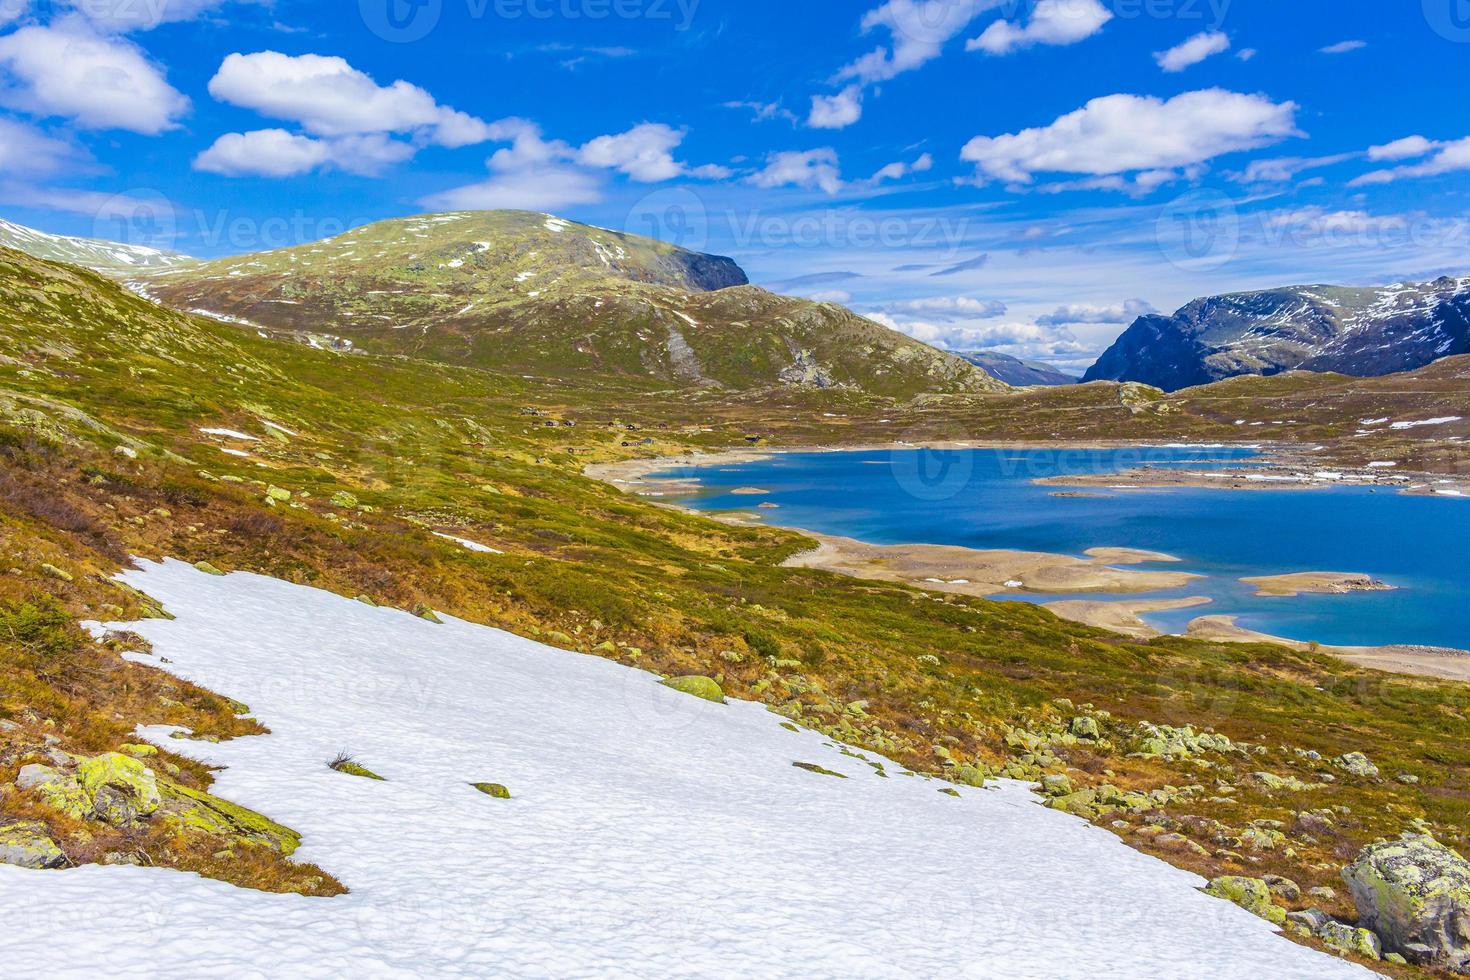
111, 258
1363, 332
1014, 371
530, 294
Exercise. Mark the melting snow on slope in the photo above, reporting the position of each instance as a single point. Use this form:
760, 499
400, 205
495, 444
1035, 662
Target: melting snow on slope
469, 545
229, 434
650, 833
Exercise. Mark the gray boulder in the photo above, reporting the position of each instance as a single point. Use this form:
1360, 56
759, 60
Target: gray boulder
1414, 894
28, 845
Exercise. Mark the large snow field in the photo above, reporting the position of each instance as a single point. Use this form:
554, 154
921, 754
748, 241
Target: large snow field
650, 834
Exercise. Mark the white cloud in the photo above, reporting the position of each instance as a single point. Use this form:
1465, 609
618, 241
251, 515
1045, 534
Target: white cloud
1246, 54
810, 169
1052, 22
1192, 51
66, 69
763, 111
836, 111
277, 153
1125, 312
329, 97
26, 151
1407, 148
532, 173
644, 152
1018, 339
1343, 47
898, 170
1116, 134
946, 308
1447, 158
1282, 170
122, 16
918, 31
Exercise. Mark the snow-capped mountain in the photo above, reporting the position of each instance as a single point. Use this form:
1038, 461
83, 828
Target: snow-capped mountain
113, 258
1364, 332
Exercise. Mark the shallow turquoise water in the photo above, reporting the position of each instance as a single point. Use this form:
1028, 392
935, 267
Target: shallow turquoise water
986, 498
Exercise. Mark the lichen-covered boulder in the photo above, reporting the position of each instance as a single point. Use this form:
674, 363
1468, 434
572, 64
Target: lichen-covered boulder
28, 845
1356, 764
1251, 894
192, 810
120, 789
1350, 939
697, 685
58, 790
207, 568
1414, 894
1085, 728
496, 790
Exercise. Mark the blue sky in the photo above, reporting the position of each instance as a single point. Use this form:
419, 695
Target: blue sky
1021, 175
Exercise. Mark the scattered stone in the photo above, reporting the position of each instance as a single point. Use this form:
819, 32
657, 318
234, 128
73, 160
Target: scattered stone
1414, 894
277, 493
697, 685
1350, 939
1309, 919
1356, 764
1323, 892
1056, 784
350, 768
1251, 894
207, 568
28, 845
950, 791
126, 452
138, 751
496, 790
193, 810
343, 499
1274, 783
425, 613
1407, 778
52, 571
1283, 887
1085, 728
813, 767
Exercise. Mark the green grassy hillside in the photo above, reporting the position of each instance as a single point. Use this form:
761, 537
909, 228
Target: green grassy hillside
525, 293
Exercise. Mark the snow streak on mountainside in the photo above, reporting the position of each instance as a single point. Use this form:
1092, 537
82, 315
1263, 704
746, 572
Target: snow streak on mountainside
1363, 332
647, 833
113, 258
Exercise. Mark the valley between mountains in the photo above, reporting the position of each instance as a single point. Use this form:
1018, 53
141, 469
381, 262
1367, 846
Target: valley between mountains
386, 436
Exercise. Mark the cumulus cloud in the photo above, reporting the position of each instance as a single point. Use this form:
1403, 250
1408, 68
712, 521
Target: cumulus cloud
1017, 339
918, 31
898, 170
123, 16
1192, 51
812, 169
277, 153
836, 111
328, 97
1117, 134
1343, 47
644, 153
67, 69
1446, 158
1052, 22
532, 173
1125, 312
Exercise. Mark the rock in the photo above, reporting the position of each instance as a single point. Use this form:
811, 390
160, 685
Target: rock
52, 571
199, 812
1407, 778
1414, 894
207, 568
59, 791
1310, 919
28, 845
1324, 893
1350, 939
1056, 784
425, 613
1251, 894
1283, 887
343, 499
1356, 764
493, 789
120, 788
697, 685
277, 493
351, 768
1274, 783
819, 770
973, 775
126, 452
1085, 727
138, 751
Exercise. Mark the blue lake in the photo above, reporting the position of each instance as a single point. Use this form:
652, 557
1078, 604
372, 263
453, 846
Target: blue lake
987, 498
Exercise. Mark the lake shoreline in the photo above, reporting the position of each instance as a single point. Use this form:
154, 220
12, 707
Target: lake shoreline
988, 573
